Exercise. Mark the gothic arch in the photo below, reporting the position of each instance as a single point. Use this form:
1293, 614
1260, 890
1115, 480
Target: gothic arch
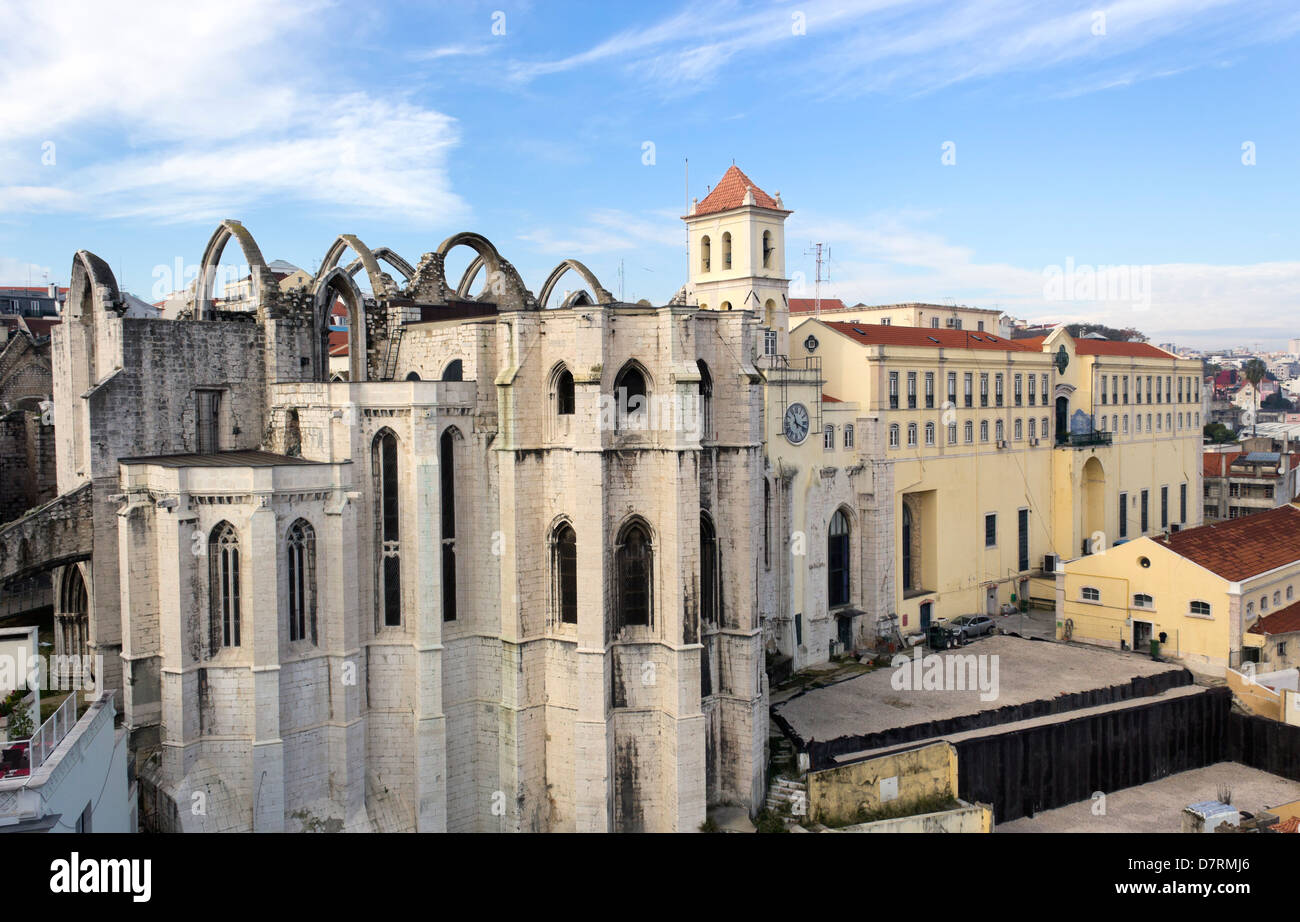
508, 288
386, 255
381, 284
337, 281
263, 281
598, 293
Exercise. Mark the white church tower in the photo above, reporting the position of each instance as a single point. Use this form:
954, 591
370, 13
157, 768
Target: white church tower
737, 255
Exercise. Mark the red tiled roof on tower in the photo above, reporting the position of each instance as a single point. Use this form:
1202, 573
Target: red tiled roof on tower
730, 193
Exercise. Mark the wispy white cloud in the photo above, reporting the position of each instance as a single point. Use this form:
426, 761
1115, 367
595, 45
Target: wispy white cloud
854, 46
19, 272
894, 257
605, 231
213, 119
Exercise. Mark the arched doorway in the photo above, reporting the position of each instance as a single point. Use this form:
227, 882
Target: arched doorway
1094, 506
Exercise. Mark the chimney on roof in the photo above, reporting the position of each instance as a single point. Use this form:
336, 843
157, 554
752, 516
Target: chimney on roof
54, 293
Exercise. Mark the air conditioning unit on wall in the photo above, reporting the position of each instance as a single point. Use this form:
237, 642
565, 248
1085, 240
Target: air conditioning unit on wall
1049, 563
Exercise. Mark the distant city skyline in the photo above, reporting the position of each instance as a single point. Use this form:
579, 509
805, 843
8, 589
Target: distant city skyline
973, 152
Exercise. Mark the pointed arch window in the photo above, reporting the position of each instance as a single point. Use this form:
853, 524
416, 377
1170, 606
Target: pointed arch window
301, 548
632, 398
564, 566
706, 401
564, 398
388, 565
837, 560
455, 371
634, 563
708, 571
223, 586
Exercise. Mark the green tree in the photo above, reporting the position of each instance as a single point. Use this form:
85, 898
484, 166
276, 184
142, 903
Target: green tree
1254, 372
20, 722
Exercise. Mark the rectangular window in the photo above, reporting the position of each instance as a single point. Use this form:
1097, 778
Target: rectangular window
929, 390
1032, 389
1164, 508
848, 436
1023, 562
1148, 388
1123, 515
1146, 521
1201, 609
984, 389
997, 389
967, 383
1126, 390
893, 390
769, 342
1019, 385
1138, 394
1090, 594
911, 390
828, 438
952, 388
991, 530
1103, 390
1182, 503
979, 326
207, 415
1044, 395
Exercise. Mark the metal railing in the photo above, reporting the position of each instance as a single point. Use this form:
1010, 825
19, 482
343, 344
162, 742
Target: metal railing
23, 757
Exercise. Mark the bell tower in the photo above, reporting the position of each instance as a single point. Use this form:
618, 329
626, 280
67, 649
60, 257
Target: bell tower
737, 255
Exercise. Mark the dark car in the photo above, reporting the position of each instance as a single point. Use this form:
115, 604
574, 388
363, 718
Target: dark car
969, 626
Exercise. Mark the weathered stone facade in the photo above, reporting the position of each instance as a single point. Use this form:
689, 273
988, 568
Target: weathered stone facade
357, 605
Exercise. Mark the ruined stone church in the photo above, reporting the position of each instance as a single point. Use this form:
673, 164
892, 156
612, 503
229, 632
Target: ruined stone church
500, 578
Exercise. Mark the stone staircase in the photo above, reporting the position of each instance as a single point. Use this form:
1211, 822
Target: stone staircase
786, 796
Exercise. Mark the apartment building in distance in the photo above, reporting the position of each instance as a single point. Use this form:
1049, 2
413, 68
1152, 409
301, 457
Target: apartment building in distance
1238, 483
912, 314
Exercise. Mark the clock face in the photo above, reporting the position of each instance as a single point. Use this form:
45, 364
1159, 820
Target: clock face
796, 423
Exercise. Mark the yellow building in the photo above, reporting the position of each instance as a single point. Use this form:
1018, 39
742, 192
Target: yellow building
934, 470
1008, 455
1202, 592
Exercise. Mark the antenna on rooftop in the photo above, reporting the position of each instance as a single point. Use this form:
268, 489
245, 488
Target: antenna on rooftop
815, 249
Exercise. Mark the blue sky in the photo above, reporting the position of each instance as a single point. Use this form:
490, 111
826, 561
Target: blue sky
1083, 134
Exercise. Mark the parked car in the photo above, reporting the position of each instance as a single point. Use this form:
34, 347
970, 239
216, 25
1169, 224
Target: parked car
942, 637
969, 626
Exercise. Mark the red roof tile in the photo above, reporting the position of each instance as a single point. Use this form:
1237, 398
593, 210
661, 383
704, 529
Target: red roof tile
1211, 461
876, 334
827, 398
1290, 825
1241, 548
1283, 621
730, 193
1110, 347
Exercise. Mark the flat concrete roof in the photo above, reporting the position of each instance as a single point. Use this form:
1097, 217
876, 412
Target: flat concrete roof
1027, 670
1157, 806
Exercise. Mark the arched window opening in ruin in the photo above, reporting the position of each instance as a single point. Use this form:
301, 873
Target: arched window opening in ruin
632, 398
455, 371
708, 571
412, 376
634, 563
388, 565
706, 401
564, 566
301, 552
564, 396
223, 586
837, 560
447, 465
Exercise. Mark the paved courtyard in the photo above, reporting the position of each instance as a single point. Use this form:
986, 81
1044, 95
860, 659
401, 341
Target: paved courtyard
1158, 805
